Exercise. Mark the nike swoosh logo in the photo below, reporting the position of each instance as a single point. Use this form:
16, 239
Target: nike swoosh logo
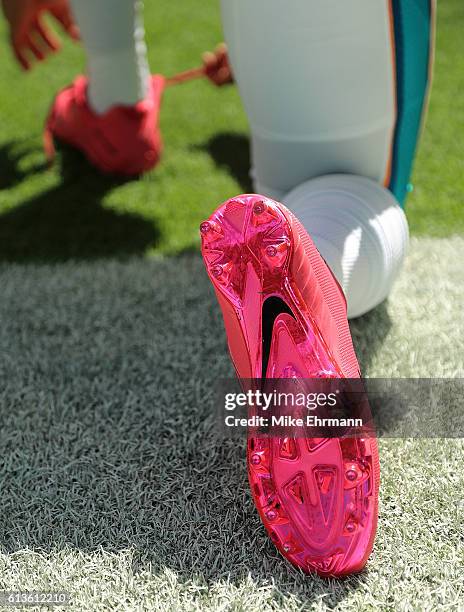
272, 308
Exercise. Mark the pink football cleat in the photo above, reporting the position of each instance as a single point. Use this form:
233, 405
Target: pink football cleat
285, 313
125, 140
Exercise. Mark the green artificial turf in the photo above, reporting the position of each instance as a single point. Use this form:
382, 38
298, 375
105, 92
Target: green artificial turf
70, 211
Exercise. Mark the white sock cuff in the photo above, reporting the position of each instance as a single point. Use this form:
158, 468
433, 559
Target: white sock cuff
359, 229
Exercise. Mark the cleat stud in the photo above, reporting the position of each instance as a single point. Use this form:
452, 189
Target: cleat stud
258, 208
271, 515
255, 459
350, 527
287, 547
211, 231
216, 271
351, 475
325, 565
271, 251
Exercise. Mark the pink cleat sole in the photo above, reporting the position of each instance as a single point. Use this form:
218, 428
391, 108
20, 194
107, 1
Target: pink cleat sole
285, 317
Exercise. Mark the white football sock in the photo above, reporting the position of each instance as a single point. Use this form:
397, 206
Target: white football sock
359, 229
114, 40
317, 85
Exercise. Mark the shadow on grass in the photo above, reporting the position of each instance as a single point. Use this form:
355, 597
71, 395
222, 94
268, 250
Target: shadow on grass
11, 173
102, 452
69, 220
231, 151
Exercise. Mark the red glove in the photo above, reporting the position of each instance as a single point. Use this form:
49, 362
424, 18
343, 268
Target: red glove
30, 36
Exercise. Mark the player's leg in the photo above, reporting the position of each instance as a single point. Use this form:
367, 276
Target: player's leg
92, 114
113, 36
319, 83
336, 88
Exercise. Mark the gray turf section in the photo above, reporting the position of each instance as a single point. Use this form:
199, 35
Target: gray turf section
114, 488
